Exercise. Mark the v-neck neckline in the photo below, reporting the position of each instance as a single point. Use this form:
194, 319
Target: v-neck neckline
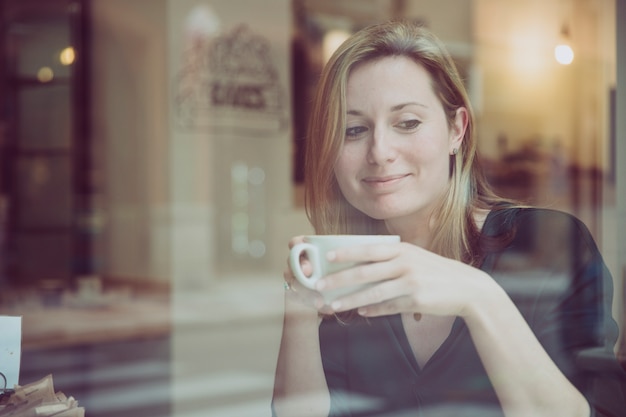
395, 322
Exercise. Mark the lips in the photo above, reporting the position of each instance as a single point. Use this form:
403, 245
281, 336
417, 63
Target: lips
385, 180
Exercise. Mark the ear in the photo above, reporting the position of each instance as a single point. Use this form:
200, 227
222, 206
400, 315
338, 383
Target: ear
457, 130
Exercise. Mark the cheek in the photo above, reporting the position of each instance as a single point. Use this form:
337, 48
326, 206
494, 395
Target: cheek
341, 176
345, 171
432, 152
437, 165
346, 164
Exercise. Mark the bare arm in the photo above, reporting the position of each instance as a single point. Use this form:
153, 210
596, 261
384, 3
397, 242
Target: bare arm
526, 380
300, 385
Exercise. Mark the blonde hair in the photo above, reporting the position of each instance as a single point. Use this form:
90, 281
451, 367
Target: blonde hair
455, 232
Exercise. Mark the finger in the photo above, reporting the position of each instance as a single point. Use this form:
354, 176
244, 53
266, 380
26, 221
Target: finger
305, 295
361, 274
325, 308
305, 265
388, 307
295, 240
389, 297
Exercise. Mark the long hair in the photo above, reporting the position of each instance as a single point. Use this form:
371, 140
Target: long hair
455, 233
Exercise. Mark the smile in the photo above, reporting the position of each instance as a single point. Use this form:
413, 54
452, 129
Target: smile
384, 181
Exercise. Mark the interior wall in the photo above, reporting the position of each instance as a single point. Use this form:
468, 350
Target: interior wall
128, 93
230, 199
526, 93
450, 20
229, 176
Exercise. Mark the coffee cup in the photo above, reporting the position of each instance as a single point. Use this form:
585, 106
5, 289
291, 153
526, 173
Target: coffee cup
315, 247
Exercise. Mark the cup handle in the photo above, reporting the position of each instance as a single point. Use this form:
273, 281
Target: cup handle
294, 263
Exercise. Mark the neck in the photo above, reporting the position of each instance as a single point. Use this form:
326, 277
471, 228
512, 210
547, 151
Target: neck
416, 230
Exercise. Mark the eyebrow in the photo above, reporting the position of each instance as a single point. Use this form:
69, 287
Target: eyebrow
410, 103
393, 108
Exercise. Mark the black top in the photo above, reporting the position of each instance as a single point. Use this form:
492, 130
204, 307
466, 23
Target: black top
550, 267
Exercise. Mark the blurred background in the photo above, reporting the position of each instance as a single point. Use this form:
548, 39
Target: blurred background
151, 171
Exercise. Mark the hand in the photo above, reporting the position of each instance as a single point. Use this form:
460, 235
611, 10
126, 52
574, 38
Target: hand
298, 292
408, 279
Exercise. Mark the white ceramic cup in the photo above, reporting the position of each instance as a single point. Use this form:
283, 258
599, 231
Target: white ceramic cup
89, 287
317, 246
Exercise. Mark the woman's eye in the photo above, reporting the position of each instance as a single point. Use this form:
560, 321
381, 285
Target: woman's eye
353, 132
409, 124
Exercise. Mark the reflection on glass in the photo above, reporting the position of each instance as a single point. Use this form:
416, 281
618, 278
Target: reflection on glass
45, 194
67, 56
45, 121
45, 74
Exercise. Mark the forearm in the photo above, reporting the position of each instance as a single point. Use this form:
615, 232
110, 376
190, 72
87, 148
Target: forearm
526, 380
300, 385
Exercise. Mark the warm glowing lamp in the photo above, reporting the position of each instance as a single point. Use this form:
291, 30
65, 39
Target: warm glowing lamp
563, 52
67, 56
45, 74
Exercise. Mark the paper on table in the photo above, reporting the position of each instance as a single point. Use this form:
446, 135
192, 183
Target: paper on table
10, 350
38, 399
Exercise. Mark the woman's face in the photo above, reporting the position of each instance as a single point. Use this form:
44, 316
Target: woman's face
395, 158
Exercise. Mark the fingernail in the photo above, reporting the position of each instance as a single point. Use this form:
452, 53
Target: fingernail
362, 311
336, 305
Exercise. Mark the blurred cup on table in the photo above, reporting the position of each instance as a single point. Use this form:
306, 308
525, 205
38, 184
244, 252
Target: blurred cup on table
89, 287
51, 292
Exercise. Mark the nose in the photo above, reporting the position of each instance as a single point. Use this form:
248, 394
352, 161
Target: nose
381, 150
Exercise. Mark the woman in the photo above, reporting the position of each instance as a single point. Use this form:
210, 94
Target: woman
482, 308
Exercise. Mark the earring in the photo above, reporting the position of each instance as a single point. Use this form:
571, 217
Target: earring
455, 151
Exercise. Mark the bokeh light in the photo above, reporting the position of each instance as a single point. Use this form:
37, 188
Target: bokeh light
564, 54
67, 56
45, 74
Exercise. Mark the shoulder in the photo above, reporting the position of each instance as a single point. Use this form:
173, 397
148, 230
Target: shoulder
537, 229
539, 232
539, 219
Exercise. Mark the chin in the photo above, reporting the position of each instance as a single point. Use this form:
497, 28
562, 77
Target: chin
389, 212
378, 213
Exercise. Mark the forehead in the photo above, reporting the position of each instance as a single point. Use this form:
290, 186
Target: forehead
393, 78
389, 64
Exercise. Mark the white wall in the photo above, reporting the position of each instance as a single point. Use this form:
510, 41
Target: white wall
229, 177
204, 149
130, 136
